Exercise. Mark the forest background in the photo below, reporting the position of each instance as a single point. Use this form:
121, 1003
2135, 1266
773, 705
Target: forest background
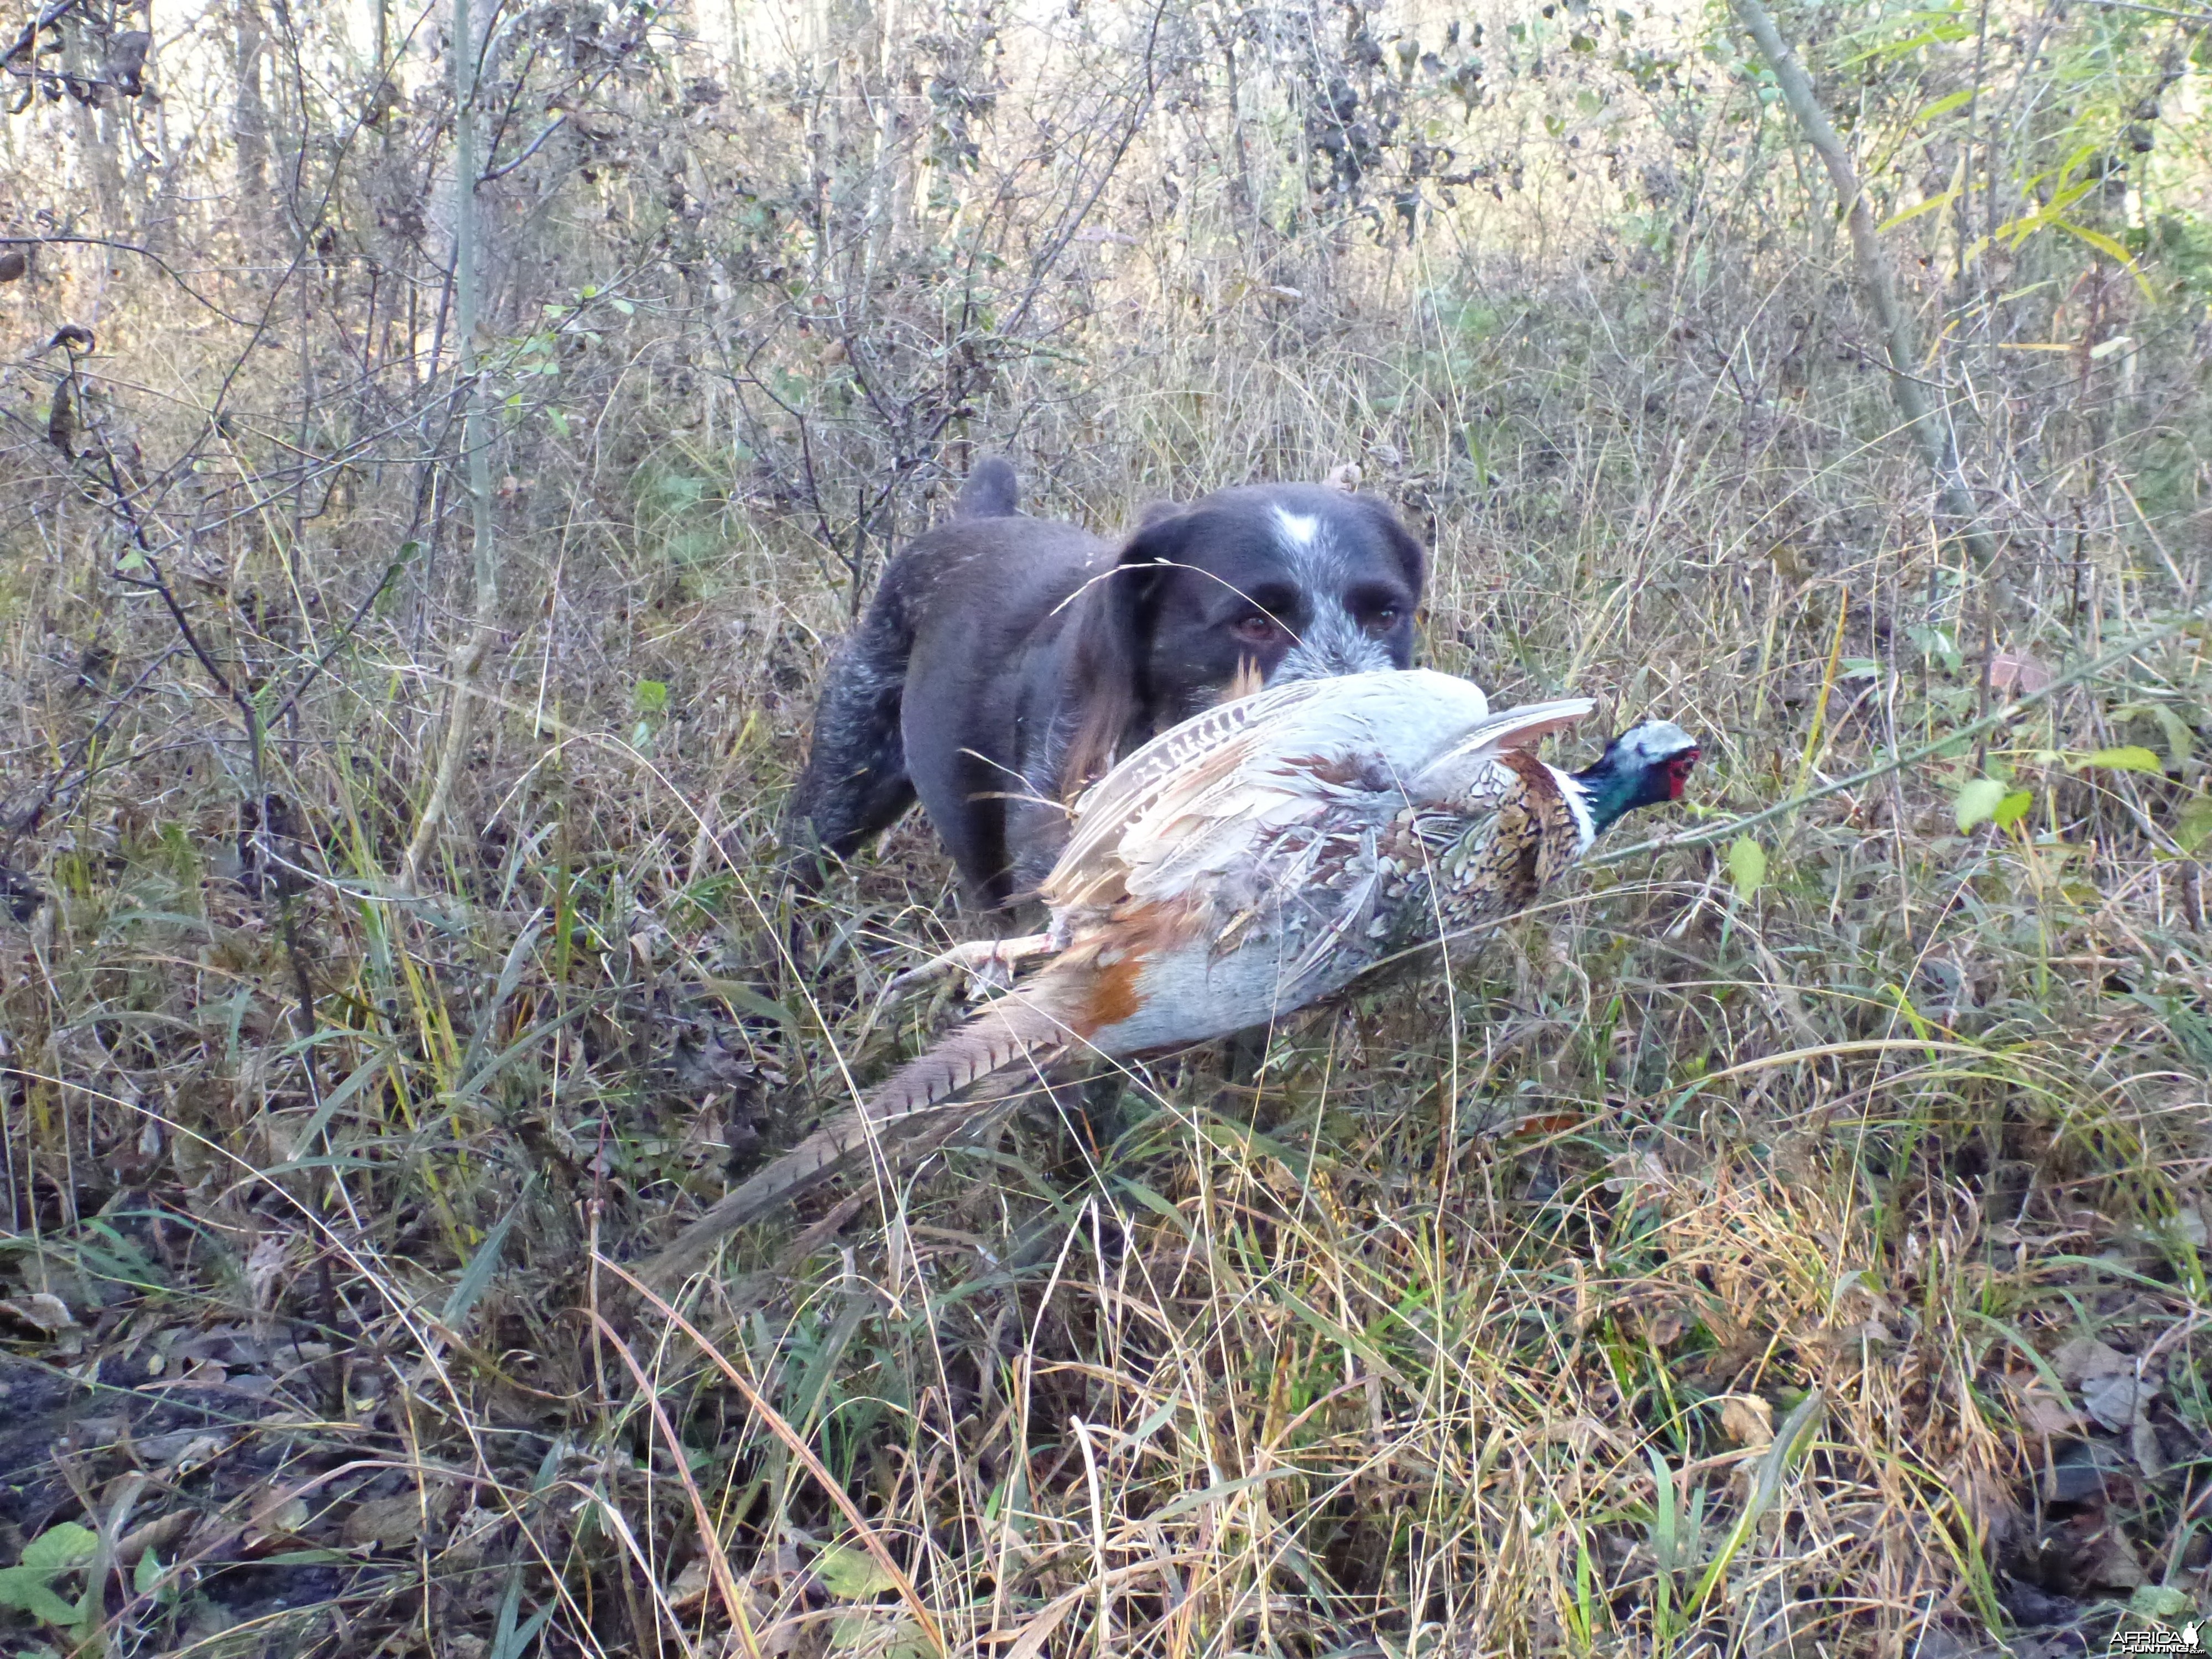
440, 450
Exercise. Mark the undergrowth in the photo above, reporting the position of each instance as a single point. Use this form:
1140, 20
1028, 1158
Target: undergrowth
1787, 1245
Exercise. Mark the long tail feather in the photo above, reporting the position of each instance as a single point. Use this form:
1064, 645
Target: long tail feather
911, 1110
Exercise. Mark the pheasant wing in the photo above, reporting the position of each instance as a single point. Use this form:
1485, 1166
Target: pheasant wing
1446, 778
1197, 798
1475, 755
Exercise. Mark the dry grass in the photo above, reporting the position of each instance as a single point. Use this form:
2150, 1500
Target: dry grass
1813, 1269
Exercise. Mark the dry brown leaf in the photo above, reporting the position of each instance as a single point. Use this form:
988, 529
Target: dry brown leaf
691, 1586
2018, 674
1748, 1420
2041, 1412
392, 1522
2084, 1356
157, 1535
41, 1311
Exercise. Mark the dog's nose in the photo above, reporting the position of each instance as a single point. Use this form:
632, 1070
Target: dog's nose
1327, 652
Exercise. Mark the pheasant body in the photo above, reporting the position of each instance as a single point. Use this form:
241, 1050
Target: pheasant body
1247, 864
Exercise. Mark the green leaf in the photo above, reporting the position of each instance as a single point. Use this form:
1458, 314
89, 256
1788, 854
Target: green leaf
651, 696
746, 1000
26, 1589
2128, 758
2105, 245
2194, 824
147, 1574
1747, 863
1919, 208
2161, 1601
2013, 808
1945, 106
1979, 800
60, 1548
482, 1266
852, 1575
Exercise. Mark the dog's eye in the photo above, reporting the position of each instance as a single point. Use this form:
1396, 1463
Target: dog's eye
1383, 620
1255, 630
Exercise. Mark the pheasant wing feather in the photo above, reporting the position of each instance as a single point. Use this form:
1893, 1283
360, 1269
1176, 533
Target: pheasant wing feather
1199, 797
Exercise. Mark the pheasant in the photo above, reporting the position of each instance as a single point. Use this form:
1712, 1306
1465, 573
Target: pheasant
1244, 865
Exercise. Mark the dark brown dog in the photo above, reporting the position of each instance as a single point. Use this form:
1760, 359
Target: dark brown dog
1006, 661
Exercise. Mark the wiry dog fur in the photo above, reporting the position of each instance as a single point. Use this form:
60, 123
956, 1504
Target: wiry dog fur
1007, 661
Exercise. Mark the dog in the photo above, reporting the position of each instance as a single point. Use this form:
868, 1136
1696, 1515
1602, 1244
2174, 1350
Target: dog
1006, 661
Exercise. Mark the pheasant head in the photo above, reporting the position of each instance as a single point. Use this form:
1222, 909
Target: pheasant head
1642, 767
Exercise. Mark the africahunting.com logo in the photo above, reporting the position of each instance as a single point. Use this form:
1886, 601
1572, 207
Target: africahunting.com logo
2162, 1638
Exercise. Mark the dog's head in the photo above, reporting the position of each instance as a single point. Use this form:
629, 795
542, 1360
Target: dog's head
1274, 582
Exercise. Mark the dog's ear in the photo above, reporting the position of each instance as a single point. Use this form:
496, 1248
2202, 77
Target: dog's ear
1154, 513
1111, 679
1412, 557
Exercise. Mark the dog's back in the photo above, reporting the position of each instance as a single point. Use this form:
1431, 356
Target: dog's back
922, 699
1005, 658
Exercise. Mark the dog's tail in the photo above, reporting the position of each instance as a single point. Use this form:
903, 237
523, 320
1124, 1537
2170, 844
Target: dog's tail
992, 491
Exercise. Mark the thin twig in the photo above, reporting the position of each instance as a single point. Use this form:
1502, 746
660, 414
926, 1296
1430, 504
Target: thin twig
1930, 431
148, 254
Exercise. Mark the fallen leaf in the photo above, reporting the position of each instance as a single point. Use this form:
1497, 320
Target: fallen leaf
1748, 1420
2116, 1400
155, 1535
1979, 799
41, 1311
2016, 673
852, 1575
395, 1521
2082, 1358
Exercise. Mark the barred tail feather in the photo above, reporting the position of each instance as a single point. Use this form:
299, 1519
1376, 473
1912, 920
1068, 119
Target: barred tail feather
910, 1109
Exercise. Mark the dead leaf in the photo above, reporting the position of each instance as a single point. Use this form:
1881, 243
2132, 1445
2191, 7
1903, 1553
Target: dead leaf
2111, 1563
41, 1311
157, 1535
13, 265
1748, 1420
2084, 1356
1346, 477
2018, 674
2116, 1400
396, 1522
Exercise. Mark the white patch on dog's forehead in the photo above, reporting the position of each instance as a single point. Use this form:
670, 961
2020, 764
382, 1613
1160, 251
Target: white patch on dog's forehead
1299, 529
